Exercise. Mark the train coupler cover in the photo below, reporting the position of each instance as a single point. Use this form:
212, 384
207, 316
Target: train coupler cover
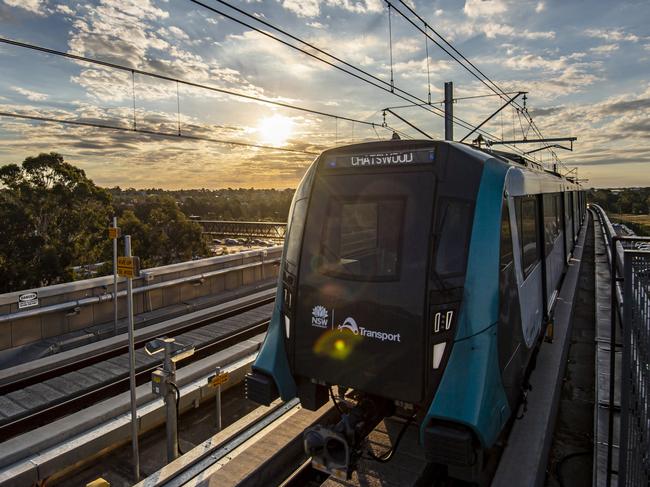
260, 388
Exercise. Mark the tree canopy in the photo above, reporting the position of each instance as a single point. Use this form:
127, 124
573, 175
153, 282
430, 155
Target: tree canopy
53, 217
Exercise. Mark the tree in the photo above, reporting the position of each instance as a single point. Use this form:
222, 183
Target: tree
161, 233
53, 217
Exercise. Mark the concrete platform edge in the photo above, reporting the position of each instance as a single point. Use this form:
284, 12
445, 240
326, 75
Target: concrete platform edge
41, 453
525, 457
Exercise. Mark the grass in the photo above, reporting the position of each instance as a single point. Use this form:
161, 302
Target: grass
640, 224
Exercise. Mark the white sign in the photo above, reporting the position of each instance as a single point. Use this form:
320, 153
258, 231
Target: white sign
27, 300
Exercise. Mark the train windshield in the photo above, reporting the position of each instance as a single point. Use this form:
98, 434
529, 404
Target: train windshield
362, 238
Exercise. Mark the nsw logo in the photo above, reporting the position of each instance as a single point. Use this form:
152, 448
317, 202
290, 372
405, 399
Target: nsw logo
319, 317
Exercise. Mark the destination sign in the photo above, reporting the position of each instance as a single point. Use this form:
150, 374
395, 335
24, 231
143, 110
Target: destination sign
381, 159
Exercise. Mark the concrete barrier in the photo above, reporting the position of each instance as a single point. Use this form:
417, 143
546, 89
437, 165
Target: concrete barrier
72, 306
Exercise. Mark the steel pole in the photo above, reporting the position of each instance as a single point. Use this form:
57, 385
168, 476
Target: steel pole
218, 400
134, 405
115, 278
170, 404
449, 110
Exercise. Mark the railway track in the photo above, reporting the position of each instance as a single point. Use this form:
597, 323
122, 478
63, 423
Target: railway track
29, 402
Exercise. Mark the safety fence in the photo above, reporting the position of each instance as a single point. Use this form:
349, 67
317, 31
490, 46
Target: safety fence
629, 260
634, 456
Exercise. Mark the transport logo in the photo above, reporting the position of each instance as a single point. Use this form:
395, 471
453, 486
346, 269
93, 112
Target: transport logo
351, 325
319, 317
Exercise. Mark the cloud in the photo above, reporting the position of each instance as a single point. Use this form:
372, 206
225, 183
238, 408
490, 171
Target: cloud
491, 30
29, 94
64, 9
540, 7
312, 8
616, 35
179, 33
33, 6
484, 8
604, 49
129, 33
303, 8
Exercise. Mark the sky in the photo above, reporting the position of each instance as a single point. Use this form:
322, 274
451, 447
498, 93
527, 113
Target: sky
584, 63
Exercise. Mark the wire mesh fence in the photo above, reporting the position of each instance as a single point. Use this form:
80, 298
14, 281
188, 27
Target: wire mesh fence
634, 458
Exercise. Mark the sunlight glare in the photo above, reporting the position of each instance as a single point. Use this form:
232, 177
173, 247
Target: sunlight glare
275, 130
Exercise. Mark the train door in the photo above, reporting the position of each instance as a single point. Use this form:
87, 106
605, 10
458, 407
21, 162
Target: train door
568, 221
530, 267
360, 318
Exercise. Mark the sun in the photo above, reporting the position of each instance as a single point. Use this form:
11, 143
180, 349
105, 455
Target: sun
275, 130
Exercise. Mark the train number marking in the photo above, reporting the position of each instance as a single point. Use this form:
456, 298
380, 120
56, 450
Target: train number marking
442, 320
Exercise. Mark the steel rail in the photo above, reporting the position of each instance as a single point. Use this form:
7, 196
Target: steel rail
57, 370
74, 403
210, 456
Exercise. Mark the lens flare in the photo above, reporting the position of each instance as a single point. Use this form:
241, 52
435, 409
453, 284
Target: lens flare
337, 344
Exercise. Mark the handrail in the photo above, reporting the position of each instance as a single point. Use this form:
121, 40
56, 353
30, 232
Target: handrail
615, 256
109, 296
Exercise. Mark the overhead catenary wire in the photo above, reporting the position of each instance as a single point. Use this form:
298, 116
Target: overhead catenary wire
151, 132
426, 47
133, 71
390, 48
374, 80
480, 75
163, 77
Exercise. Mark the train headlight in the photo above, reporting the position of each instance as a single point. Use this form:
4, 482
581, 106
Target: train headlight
438, 353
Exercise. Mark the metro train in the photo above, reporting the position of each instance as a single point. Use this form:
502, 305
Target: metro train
419, 275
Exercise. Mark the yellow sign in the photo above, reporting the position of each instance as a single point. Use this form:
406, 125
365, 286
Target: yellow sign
128, 266
114, 232
100, 482
217, 380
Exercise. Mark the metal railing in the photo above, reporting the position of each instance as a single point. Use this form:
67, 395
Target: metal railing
629, 292
218, 228
634, 456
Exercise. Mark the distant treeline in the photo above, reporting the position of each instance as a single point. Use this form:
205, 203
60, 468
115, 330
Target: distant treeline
630, 206
633, 201
219, 204
55, 221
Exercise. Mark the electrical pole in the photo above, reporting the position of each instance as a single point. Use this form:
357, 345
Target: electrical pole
449, 110
129, 306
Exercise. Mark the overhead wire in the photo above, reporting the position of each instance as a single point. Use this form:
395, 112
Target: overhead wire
486, 79
133, 71
151, 132
155, 75
374, 80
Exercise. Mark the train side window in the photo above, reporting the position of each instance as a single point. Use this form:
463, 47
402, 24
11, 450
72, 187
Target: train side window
526, 209
362, 239
453, 230
297, 226
551, 220
506, 254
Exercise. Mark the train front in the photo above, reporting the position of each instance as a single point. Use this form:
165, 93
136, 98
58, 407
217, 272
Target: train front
371, 284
